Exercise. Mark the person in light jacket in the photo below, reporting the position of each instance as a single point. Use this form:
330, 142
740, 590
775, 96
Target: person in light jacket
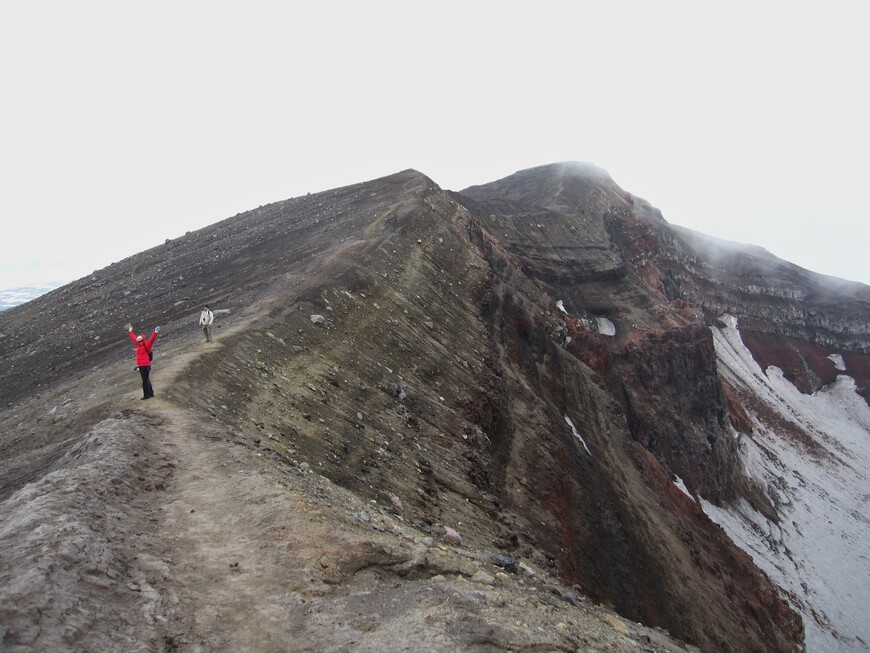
205, 320
143, 358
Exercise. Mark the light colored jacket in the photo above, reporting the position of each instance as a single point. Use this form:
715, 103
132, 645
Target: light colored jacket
206, 318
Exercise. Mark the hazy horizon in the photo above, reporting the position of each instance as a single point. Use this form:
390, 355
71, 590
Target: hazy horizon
122, 128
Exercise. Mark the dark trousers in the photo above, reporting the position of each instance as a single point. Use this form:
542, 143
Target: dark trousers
147, 390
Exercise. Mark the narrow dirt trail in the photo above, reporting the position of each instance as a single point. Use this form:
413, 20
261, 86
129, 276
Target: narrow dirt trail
227, 535
225, 530
250, 556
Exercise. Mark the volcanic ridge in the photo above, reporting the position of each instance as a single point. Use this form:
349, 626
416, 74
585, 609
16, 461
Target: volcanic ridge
528, 416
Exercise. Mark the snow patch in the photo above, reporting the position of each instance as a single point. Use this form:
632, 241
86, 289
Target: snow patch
682, 487
561, 306
577, 434
728, 321
605, 326
817, 551
838, 362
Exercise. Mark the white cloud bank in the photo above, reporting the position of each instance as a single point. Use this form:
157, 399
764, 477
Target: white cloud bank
124, 125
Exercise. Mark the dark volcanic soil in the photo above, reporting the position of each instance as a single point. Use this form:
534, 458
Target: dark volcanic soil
392, 443
160, 530
132, 526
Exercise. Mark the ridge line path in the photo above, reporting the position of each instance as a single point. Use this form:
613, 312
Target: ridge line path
228, 532
154, 531
253, 556
229, 585
159, 530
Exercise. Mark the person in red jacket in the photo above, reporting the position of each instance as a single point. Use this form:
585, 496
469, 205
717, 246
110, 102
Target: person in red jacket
143, 358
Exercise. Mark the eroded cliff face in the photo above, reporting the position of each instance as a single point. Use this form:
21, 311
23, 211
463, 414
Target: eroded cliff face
660, 291
791, 318
529, 363
634, 372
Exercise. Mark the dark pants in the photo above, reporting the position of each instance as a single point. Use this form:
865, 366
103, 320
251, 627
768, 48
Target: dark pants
147, 390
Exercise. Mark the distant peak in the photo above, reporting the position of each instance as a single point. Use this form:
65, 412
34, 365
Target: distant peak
560, 170
555, 185
410, 174
576, 168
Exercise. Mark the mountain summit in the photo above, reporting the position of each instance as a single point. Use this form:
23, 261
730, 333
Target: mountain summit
530, 415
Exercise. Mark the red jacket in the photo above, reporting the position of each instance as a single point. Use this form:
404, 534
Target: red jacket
142, 349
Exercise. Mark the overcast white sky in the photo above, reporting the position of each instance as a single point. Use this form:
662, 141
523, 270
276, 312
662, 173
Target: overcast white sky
123, 124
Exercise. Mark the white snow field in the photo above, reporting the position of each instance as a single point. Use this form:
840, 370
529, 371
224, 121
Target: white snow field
819, 552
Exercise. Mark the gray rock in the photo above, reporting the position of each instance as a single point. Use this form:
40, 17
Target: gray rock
452, 536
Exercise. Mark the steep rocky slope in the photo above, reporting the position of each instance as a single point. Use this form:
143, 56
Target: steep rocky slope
679, 387
527, 365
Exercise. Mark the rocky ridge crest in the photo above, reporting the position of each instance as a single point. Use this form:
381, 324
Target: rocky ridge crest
462, 423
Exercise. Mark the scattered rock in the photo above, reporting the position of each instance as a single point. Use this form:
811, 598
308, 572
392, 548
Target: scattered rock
505, 562
483, 578
528, 571
452, 536
572, 598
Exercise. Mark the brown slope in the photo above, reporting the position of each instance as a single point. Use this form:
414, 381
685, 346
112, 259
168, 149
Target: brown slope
230, 264
165, 529
234, 265
434, 387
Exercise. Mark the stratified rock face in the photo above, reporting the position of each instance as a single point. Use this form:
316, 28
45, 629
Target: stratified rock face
647, 403
532, 364
608, 254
